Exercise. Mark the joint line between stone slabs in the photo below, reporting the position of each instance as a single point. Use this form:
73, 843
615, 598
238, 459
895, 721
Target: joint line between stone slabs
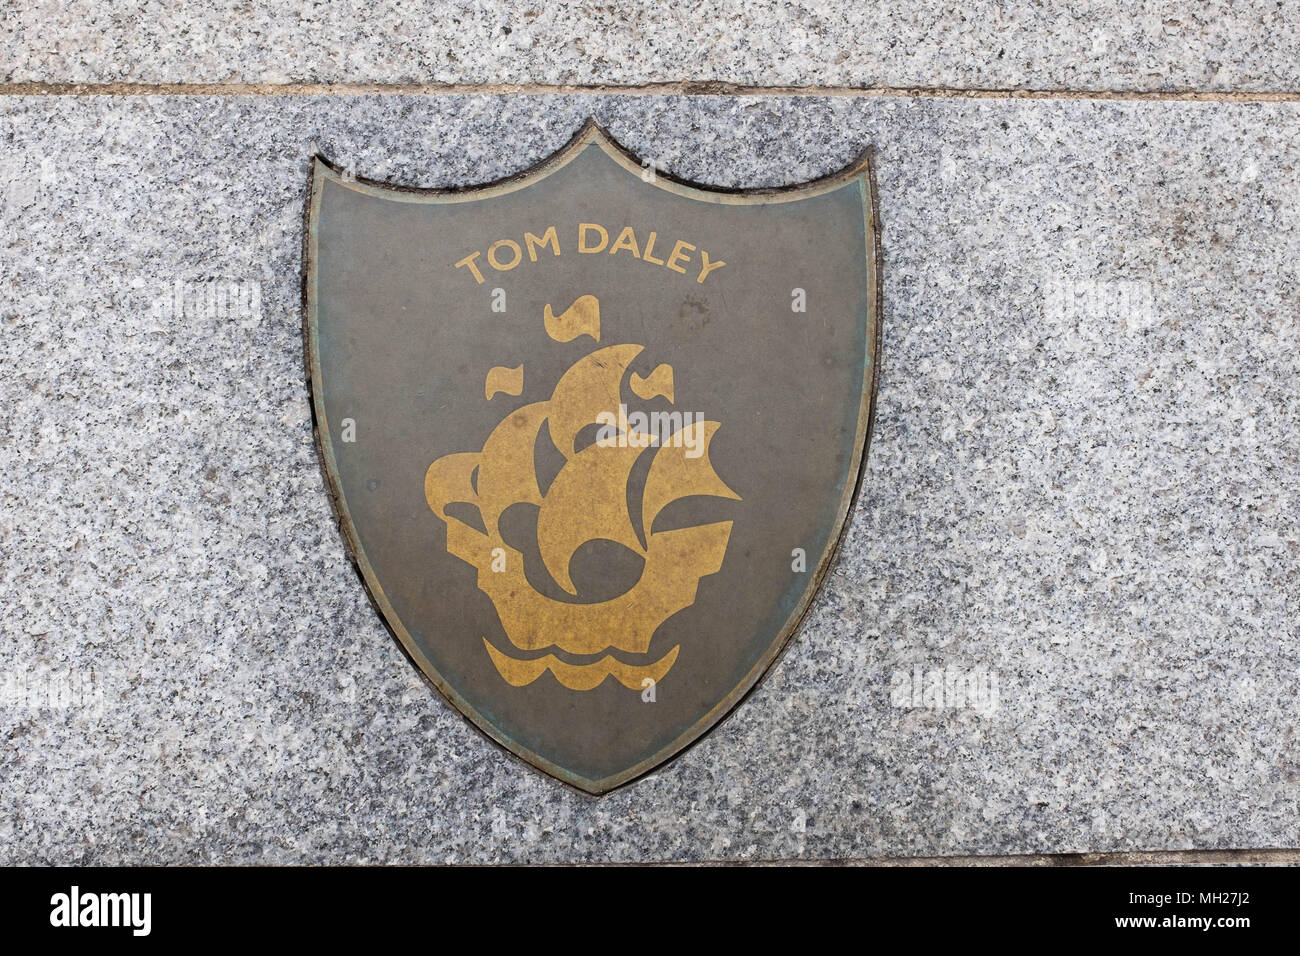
684, 88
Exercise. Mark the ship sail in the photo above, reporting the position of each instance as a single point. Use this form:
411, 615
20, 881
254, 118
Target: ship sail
450, 479
674, 474
591, 386
587, 501
505, 473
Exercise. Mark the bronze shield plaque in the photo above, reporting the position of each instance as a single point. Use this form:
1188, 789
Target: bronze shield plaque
592, 434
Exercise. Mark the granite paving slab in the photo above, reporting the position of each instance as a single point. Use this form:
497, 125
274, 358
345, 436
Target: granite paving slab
1081, 505
1057, 44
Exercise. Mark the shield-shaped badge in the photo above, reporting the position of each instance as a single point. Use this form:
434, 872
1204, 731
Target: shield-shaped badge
592, 434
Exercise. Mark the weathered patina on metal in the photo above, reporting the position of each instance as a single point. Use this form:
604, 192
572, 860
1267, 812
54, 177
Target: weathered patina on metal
592, 434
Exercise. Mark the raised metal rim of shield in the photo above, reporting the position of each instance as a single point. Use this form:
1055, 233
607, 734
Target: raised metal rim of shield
862, 169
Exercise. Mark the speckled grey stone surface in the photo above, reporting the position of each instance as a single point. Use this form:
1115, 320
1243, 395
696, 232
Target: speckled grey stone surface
1085, 479
1061, 44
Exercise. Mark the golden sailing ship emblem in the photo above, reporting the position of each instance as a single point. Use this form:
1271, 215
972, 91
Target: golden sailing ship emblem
591, 436
586, 501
